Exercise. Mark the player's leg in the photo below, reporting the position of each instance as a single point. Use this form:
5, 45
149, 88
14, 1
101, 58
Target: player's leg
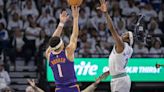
113, 85
122, 84
126, 84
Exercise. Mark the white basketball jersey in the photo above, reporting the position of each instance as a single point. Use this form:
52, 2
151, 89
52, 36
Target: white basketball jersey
118, 61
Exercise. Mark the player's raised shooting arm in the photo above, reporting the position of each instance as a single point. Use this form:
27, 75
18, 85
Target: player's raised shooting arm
115, 35
63, 18
74, 37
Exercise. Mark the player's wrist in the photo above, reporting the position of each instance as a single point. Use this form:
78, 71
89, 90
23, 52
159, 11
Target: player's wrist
75, 18
61, 24
105, 12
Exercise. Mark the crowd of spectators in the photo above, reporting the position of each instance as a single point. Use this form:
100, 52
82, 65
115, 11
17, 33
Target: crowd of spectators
27, 25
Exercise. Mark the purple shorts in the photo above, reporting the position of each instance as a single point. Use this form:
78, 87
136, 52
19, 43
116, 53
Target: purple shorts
74, 88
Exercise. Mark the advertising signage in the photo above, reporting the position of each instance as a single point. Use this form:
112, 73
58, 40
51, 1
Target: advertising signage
139, 69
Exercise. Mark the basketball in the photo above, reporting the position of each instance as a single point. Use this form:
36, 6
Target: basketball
74, 2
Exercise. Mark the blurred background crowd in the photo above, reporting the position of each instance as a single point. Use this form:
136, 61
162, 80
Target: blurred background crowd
27, 25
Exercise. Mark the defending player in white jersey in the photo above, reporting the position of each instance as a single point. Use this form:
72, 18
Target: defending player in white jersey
119, 56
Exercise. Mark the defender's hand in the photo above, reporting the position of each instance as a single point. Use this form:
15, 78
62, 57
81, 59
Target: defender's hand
31, 82
64, 17
75, 11
101, 77
103, 6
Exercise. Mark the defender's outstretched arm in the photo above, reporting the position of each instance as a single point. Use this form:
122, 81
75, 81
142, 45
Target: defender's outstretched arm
116, 36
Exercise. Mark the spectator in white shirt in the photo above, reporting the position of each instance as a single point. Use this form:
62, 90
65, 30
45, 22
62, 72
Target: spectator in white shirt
116, 16
99, 18
27, 21
12, 6
149, 12
83, 18
140, 50
103, 33
15, 22
86, 8
156, 50
45, 18
17, 44
131, 8
123, 4
32, 33
153, 27
63, 6
121, 26
29, 10
50, 28
48, 5
24, 3
130, 21
86, 51
4, 77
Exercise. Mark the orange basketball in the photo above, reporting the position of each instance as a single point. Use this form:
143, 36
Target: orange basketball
75, 2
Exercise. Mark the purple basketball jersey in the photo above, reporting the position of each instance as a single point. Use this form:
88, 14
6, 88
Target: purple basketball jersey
63, 69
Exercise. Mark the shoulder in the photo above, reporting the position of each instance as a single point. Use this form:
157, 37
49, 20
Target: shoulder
69, 54
127, 48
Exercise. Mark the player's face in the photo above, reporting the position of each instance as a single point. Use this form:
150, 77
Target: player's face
125, 37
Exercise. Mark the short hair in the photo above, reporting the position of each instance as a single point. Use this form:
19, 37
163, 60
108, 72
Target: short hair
54, 41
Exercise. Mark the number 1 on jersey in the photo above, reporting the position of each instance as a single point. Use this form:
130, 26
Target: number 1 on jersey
60, 70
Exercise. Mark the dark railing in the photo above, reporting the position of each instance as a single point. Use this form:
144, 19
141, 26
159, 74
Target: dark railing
134, 55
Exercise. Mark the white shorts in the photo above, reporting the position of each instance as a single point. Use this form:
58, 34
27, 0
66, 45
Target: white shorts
121, 84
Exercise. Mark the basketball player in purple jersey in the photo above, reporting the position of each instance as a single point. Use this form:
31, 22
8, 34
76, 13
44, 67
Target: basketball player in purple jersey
61, 58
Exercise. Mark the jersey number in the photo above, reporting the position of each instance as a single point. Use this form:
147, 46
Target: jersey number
59, 70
